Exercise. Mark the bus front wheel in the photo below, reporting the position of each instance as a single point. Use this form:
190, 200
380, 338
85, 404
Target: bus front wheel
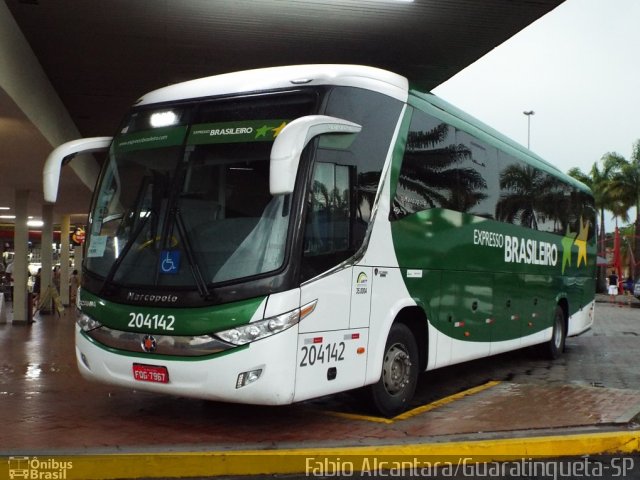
392, 394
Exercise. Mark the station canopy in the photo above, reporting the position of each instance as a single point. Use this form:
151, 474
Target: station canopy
100, 56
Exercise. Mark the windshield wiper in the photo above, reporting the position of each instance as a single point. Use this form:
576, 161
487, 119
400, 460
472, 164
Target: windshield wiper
127, 247
188, 249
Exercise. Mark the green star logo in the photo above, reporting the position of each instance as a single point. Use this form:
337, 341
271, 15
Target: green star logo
262, 131
567, 243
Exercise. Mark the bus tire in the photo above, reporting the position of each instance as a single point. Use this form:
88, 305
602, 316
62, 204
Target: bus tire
392, 394
555, 346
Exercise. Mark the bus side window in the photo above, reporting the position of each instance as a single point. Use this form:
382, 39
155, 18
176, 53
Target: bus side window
327, 229
329, 218
430, 168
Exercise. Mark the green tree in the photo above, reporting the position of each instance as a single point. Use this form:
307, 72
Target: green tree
624, 187
599, 181
439, 173
528, 196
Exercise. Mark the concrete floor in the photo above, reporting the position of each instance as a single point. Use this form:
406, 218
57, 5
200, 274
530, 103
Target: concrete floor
48, 407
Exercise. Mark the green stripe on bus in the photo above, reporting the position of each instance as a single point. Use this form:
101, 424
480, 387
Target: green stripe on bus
182, 321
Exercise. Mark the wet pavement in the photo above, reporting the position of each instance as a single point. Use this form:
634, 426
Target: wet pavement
46, 407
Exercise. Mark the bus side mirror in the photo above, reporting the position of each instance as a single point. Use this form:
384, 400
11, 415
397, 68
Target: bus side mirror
288, 146
64, 154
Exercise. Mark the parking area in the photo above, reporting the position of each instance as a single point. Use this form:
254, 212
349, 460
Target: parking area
584, 403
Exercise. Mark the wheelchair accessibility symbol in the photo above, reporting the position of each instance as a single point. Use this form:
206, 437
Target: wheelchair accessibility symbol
170, 262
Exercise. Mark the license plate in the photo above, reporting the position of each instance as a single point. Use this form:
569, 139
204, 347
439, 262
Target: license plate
150, 373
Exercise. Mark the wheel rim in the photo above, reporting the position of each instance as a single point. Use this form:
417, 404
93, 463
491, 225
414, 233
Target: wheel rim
557, 333
396, 372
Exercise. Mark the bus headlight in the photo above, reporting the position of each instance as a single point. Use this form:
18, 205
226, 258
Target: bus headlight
86, 323
265, 328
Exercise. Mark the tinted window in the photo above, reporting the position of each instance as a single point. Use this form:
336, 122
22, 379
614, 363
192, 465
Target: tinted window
536, 199
518, 194
378, 115
438, 171
477, 177
328, 219
582, 217
187, 205
447, 168
346, 175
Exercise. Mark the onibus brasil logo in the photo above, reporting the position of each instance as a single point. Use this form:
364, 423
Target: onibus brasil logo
38, 469
535, 252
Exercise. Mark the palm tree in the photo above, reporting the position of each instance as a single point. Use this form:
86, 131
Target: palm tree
429, 172
437, 173
599, 181
624, 186
529, 196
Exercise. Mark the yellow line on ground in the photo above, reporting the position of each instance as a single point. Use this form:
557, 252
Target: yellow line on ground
418, 410
358, 416
304, 461
446, 400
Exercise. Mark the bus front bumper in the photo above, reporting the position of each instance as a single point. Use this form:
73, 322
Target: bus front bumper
219, 377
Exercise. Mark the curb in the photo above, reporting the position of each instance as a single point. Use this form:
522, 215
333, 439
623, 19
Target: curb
323, 461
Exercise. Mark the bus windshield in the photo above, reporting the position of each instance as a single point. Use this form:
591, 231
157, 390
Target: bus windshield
183, 199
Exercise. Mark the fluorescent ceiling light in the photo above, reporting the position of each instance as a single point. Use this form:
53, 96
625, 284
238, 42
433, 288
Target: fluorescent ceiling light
35, 223
5, 208
8, 217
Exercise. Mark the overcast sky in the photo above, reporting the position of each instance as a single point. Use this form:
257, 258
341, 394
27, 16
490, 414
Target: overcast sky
577, 68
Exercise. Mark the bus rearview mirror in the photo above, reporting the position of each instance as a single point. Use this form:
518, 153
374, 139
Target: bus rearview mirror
64, 153
288, 146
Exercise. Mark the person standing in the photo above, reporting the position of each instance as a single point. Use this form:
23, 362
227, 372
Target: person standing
613, 286
56, 277
74, 284
37, 281
9, 274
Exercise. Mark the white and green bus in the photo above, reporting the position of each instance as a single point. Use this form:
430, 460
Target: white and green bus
275, 235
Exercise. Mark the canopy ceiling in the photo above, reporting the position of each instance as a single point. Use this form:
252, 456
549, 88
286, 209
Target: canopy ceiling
100, 56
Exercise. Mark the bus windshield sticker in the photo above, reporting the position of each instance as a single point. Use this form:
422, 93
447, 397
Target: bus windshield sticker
236, 132
361, 284
170, 262
148, 139
97, 246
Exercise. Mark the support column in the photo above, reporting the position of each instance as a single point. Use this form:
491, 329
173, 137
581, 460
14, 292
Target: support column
64, 258
20, 262
47, 252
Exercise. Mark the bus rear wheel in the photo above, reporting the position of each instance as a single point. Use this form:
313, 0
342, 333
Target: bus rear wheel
555, 346
392, 394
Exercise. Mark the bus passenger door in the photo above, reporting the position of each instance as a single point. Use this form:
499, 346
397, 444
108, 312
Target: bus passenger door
330, 355
331, 351
333, 295
362, 284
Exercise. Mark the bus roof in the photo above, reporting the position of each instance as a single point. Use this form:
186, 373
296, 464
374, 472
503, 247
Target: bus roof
274, 78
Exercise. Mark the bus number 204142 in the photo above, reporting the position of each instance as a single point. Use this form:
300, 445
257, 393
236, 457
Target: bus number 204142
312, 354
157, 322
